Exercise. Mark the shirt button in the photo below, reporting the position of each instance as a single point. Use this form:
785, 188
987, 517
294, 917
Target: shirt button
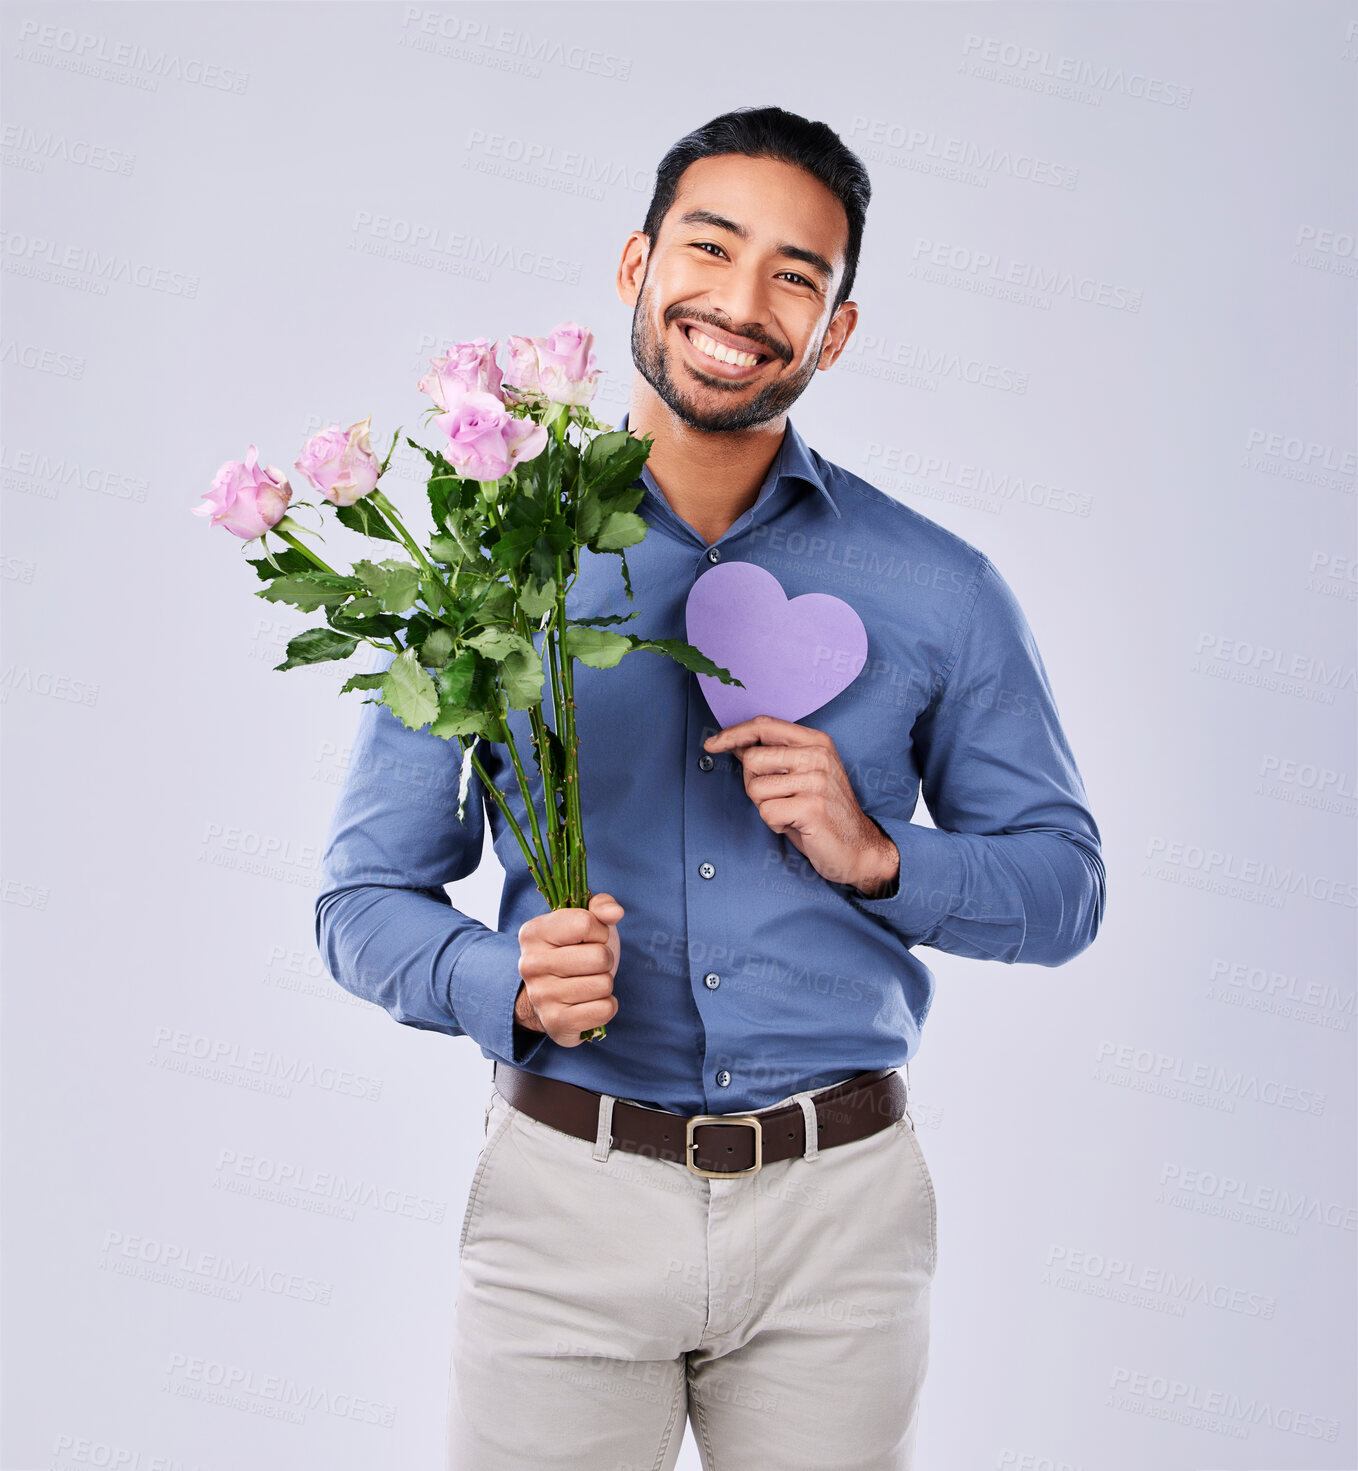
705, 762
723, 1078
713, 555
706, 869
711, 980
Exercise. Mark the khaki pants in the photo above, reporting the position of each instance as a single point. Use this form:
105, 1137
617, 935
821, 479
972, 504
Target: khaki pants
602, 1296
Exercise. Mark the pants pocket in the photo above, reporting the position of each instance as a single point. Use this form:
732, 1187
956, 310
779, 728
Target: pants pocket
497, 1118
906, 1130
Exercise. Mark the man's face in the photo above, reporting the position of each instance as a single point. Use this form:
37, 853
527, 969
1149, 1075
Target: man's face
749, 256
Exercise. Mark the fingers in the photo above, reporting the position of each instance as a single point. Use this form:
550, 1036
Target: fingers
606, 907
567, 959
573, 926
567, 1024
569, 962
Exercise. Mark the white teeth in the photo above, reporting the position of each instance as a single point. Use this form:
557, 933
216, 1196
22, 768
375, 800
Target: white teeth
719, 351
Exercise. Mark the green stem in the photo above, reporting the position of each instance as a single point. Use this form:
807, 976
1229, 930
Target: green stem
390, 514
570, 741
532, 808
305, 550
502, 803
444, 596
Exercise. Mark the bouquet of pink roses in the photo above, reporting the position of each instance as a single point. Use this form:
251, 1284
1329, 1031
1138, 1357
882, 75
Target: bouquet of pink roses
513, 497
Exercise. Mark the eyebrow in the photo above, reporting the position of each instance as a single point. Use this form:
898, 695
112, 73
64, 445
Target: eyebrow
792, 252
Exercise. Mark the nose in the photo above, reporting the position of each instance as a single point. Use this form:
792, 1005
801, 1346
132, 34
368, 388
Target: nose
740, 304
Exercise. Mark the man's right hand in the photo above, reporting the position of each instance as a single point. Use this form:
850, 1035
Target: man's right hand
567, 961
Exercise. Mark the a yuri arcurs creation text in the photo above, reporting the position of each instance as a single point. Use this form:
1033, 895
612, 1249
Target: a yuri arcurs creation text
515, 497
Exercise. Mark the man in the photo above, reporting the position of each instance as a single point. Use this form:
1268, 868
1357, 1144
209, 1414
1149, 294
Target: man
757, 892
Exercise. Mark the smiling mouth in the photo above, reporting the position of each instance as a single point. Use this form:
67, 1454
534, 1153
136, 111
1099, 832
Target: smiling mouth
718, 352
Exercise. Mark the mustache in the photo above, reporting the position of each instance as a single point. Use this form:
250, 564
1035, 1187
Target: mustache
774, 349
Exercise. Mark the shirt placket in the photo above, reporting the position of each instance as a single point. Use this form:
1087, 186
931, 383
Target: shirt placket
711, 787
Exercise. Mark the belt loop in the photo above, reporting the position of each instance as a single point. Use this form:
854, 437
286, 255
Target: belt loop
812, 1128
604, 1138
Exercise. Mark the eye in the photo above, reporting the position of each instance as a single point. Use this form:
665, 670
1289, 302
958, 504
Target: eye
796, 275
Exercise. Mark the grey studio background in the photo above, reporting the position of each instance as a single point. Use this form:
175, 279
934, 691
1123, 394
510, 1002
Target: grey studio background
1106, 334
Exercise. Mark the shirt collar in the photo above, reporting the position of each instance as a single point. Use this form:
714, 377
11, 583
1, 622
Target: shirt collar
794, 461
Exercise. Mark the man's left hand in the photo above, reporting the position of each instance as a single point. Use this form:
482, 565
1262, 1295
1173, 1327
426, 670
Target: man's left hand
795, 778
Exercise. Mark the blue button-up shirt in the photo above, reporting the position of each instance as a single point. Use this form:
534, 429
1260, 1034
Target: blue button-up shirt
744, 975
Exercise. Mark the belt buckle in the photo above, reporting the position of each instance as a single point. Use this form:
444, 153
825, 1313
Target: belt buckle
723, 1118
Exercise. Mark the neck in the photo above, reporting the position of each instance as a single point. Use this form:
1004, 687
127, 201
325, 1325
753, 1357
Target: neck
709, 477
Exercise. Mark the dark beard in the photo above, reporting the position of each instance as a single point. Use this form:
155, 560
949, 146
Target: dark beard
652, 361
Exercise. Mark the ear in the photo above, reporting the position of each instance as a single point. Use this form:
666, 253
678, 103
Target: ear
632, 266
837, 334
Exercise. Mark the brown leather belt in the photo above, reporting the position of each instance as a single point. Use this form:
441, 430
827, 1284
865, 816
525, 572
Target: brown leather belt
711, 1144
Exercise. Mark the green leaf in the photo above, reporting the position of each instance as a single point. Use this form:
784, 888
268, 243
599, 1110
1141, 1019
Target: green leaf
310, 591
437, 648
614, 460
375, 625
289, 560
536, 599
363, 682
317, 645
454, 722
609, 618
686, 655
396, 584
589, 516
497, 603
364, 517
522, 676
409, 691
620, 529
497, 643
594, 647
459, 686
511, 548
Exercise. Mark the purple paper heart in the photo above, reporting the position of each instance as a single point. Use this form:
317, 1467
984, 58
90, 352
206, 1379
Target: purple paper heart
792, 654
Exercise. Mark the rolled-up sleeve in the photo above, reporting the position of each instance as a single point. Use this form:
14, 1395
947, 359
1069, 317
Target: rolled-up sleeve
1013, 868
384, 926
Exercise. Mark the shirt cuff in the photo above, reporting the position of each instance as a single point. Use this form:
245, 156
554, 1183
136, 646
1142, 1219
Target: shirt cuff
482, 991
928, 886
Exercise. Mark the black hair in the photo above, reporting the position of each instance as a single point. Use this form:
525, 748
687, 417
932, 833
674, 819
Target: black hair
772, 132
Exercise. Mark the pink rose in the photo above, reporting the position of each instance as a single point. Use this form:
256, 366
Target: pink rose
561, 366
466, 367
245, 499
340, 463
485, 440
